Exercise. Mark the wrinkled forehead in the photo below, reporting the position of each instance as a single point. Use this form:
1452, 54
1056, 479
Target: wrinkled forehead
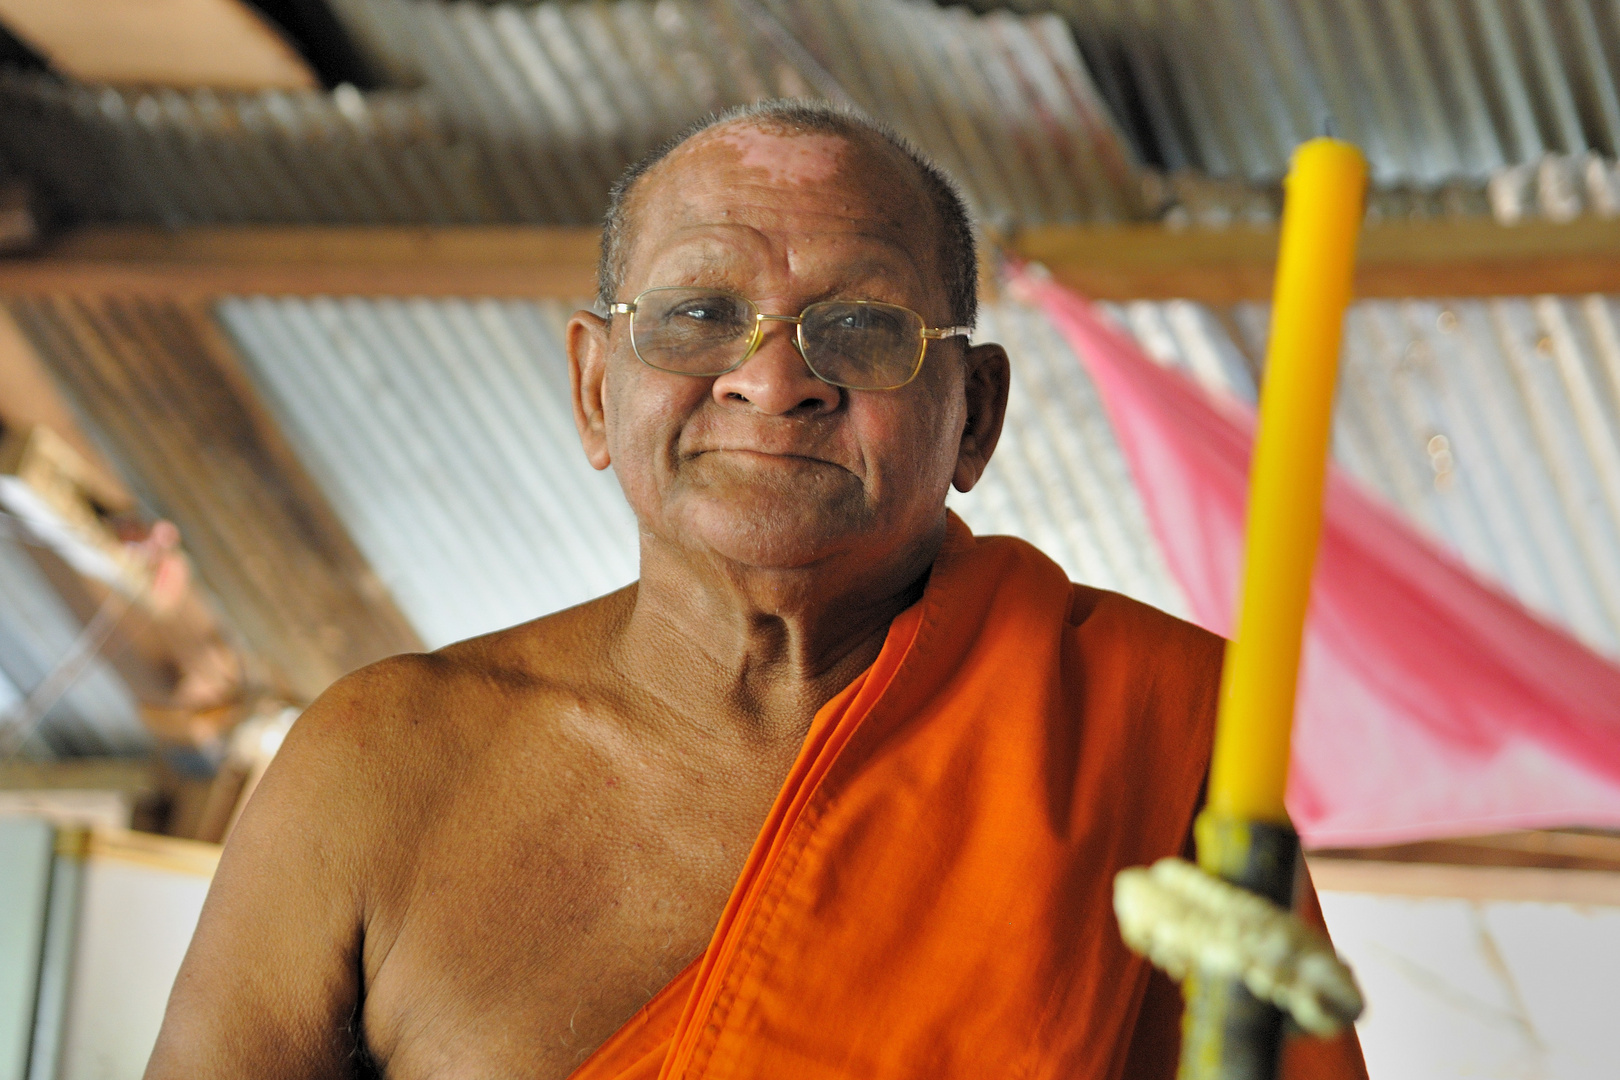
746, 173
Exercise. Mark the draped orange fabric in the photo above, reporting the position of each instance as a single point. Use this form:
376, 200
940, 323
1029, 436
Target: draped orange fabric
931, 893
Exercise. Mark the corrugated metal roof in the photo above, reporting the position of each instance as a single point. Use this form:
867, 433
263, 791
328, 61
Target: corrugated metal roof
1432, 90
97, 714
1493, 424
190, 157
441, 432
1555, 187
528, 113
1058, 478
1004, 102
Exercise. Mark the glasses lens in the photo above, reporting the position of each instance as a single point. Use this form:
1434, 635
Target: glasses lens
692, 331
864, 346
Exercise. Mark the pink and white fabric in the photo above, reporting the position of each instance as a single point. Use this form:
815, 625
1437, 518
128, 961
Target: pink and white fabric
1431, 704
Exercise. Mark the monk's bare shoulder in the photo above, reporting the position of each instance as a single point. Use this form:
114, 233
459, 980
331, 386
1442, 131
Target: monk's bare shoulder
387, 748
431, 694
560, 651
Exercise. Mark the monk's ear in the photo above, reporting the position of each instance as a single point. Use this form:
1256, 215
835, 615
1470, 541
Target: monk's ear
988, 376
587, 342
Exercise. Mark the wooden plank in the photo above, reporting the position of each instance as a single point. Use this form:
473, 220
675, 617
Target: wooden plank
1409, 259
1145, 262
182, 43
198, 263
135, 776
164, 387
1465, 882
1547, 849
171, 853
29, 397
515, 261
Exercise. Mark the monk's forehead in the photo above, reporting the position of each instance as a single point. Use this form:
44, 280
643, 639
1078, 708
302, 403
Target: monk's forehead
744, 170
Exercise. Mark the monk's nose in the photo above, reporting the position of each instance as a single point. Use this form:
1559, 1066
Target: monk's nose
776, 380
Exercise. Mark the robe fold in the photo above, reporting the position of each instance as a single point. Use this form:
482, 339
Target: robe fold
931, 894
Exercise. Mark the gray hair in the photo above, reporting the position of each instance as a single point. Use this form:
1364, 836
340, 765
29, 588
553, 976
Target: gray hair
958, 252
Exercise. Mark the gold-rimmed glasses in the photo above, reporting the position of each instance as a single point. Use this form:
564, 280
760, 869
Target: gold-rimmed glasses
856, 344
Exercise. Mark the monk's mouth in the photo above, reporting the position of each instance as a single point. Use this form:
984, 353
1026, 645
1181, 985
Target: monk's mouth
766, 457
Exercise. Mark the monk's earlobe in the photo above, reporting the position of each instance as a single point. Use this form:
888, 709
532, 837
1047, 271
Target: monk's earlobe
985, 387
586, 339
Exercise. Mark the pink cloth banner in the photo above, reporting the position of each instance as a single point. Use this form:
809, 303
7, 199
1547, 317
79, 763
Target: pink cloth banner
1431, 704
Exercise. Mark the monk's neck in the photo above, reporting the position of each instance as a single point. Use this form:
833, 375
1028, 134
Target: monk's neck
758, 649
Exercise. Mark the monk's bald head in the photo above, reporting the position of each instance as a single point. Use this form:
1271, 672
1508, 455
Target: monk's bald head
869, 154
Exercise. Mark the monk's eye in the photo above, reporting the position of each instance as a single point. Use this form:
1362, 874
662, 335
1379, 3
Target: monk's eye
865, 318
709, 311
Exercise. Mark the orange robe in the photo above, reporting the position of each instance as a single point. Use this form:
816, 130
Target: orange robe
931, 895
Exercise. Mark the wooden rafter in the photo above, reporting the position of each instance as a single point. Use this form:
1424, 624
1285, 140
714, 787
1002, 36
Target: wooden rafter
162, 384
1507, 883
29, 397
199, 263
1408, 259
218, 43
1144, 262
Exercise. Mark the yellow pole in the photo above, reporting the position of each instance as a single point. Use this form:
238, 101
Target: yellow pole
1321, 218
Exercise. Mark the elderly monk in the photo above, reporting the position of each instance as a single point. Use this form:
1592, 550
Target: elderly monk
836, 789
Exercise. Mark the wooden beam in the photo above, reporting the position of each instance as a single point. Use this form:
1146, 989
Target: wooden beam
1139, 262
1406, 259
200, 263
163, 385
182, 43
29, 397
1511, 883
1559, 866
171, 853
1536, 848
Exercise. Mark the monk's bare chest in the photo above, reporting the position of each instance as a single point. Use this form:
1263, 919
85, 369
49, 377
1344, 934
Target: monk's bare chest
544, 906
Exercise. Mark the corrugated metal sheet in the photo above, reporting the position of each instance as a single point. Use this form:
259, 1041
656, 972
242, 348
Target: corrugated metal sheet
1058, 478
442, 435
1556, 187
1493, 424
1433, 89
1004, 102
528, 113
193, 157
97, 715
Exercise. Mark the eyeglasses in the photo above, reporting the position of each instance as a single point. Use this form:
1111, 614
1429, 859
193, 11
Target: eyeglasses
856, 344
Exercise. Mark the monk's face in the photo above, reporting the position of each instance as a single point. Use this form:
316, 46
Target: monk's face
767, 465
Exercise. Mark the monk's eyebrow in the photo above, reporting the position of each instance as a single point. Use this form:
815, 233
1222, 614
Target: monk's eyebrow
704, 265
868, 272
710, 269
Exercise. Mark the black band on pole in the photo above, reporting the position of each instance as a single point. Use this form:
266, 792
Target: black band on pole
1226, 1033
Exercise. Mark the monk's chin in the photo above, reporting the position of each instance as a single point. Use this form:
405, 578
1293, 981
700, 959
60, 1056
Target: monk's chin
775, 530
